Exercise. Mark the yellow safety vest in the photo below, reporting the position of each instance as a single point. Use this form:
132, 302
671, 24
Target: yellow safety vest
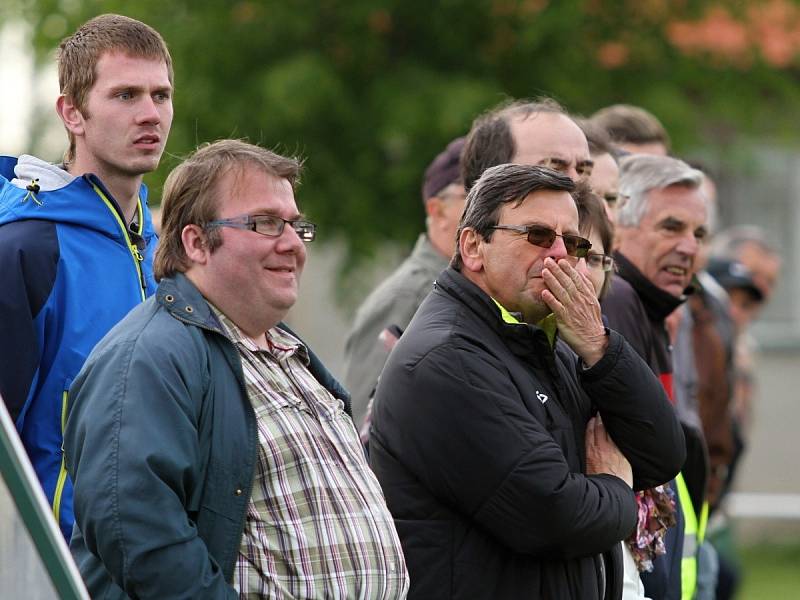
694, 533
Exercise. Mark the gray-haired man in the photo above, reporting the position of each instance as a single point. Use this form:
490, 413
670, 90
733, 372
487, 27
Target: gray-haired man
661, 224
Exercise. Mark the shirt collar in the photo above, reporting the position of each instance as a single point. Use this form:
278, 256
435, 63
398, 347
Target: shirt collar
281, 343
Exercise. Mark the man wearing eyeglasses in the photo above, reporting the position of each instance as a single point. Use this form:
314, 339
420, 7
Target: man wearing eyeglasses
212, 453
502, 482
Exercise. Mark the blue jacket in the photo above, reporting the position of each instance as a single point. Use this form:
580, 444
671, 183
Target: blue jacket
161, 442
68, 273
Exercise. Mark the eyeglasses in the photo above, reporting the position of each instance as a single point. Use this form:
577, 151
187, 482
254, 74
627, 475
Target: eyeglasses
268, 225
544, 237
600, 261
611, 199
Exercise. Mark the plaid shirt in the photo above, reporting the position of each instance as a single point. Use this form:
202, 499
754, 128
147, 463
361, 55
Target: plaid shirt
317, 524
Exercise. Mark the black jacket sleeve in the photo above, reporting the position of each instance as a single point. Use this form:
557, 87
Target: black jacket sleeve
28, 260
636, 413
469, 439
625, 315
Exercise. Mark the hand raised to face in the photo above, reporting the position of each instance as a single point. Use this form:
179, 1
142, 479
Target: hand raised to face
571, 297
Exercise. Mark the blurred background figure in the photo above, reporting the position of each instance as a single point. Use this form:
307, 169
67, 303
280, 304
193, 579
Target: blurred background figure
746, 266
387, 310
604, 178
633, 129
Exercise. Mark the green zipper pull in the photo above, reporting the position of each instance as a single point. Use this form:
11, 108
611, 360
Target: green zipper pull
136, 253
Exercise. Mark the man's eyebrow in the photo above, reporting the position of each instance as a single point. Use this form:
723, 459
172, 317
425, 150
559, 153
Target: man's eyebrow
126, 87
265, 213
587, 162
671, 222
554, 160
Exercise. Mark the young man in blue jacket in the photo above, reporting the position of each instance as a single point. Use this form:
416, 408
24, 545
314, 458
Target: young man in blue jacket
76, 240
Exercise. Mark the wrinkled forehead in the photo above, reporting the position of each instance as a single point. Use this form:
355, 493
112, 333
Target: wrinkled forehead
682, 202
555, 209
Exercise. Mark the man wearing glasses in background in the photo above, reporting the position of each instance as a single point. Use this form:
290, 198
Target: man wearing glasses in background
502, 482
212, 454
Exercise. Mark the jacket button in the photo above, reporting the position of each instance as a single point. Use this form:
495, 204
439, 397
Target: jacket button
238, 491
169, 298
189, 309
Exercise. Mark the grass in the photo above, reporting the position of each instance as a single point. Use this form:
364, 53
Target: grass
770, 571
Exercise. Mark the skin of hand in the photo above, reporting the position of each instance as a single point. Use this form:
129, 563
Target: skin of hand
603, 455
572, 299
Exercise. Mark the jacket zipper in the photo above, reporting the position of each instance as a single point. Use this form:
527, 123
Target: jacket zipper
62, 472
135, 254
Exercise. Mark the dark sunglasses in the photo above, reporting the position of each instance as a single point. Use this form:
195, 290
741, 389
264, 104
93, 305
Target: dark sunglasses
544, 237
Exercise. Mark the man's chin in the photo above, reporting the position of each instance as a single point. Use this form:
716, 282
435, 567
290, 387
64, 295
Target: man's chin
674, 289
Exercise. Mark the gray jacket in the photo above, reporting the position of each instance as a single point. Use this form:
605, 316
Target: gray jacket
161, 444
393, 302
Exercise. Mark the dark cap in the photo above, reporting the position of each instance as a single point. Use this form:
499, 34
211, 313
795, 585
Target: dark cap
444, 170
731, 274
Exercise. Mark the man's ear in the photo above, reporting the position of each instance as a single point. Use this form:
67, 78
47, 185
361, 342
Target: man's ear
70, 115
471, 245
195, 244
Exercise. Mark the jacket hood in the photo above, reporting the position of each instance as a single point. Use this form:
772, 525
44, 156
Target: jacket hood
44, 191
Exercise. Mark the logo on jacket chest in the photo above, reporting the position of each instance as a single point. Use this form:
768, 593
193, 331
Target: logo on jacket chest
542, 397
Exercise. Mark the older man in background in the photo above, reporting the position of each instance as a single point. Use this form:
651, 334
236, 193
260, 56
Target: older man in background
661, 225
386, 312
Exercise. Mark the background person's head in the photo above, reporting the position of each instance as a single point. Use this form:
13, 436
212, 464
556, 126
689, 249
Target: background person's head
515, 217
748, 245
443, 195
526, 132
604, 178
745, 296
662, 219
80, 53
633, 129
595, 226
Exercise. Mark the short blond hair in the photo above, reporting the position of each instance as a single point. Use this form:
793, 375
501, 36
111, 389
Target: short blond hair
79, 54
191, 195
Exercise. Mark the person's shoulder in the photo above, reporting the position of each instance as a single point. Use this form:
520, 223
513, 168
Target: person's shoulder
29, 247
620, 291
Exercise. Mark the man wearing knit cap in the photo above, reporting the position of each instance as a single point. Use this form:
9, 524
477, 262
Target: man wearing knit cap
388, 309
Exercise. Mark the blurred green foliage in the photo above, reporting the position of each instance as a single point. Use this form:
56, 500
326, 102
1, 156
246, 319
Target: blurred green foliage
369, 91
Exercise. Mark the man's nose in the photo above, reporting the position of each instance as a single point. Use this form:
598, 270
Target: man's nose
558, 249
688, 245
148, 111
289, 240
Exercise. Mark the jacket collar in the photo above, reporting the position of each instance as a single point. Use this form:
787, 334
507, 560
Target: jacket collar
527, 341
184, 302
657, 303
426, 254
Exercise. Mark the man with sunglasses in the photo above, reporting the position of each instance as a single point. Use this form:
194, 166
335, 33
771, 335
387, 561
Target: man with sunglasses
212, 453
502, 481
